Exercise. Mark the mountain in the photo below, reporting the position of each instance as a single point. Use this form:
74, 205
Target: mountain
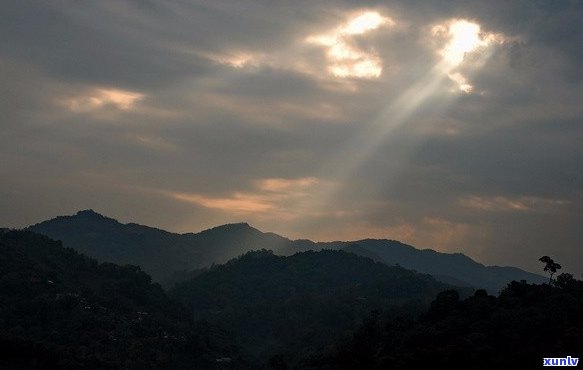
169, 256
160, 253
330, 309
454, 268
62, 310
301, 302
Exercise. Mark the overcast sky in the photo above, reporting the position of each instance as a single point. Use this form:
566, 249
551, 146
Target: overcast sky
451, 125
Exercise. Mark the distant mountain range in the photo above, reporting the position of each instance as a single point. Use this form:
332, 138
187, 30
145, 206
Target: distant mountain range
168, 256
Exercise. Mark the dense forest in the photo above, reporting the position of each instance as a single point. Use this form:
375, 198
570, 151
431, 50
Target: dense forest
62, 310
517, 329
314, 310
297, 304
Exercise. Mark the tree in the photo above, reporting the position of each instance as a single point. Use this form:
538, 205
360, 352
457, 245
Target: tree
550, 266
567, 281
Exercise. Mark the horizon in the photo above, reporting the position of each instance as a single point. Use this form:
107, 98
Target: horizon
450, 126
127, 222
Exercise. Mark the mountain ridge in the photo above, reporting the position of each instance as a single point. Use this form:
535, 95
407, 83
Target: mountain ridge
162, 253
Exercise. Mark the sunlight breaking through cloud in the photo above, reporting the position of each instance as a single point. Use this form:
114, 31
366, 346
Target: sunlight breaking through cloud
364, 23
345, 57
461, 81
455, 40
115, 104
461, 38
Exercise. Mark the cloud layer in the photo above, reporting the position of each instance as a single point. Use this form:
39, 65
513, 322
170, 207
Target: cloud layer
454, 125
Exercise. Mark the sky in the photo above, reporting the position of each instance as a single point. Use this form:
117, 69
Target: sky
450, 125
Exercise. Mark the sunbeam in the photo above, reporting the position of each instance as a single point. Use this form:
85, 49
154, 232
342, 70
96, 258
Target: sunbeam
464, 38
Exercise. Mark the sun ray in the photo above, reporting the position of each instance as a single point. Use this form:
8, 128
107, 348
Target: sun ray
463, 38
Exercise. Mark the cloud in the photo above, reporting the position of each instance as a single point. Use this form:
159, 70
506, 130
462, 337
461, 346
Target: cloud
463, 45
505, 204
237, 203
463, 38
461, 81
345, 57
230, 110
98, 98
279, 184
270, 198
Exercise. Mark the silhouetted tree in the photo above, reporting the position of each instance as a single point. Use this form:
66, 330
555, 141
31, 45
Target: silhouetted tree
567, 281
550, 266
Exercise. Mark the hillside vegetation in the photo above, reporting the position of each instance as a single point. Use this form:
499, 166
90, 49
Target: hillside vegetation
62, 310
301, 302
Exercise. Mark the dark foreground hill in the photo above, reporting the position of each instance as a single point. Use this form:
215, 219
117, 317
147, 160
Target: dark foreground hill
169, 256
516, 330
62, 310
299, 303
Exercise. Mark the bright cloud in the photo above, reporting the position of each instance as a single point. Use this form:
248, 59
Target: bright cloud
364, 23
279, 184
459, 39
461, 81
345, 58
237, 59
236, 203
98, 98
463, 38
271, 197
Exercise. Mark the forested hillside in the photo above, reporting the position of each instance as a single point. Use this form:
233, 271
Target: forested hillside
515, 330
62, 310
300, 303
313, 310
